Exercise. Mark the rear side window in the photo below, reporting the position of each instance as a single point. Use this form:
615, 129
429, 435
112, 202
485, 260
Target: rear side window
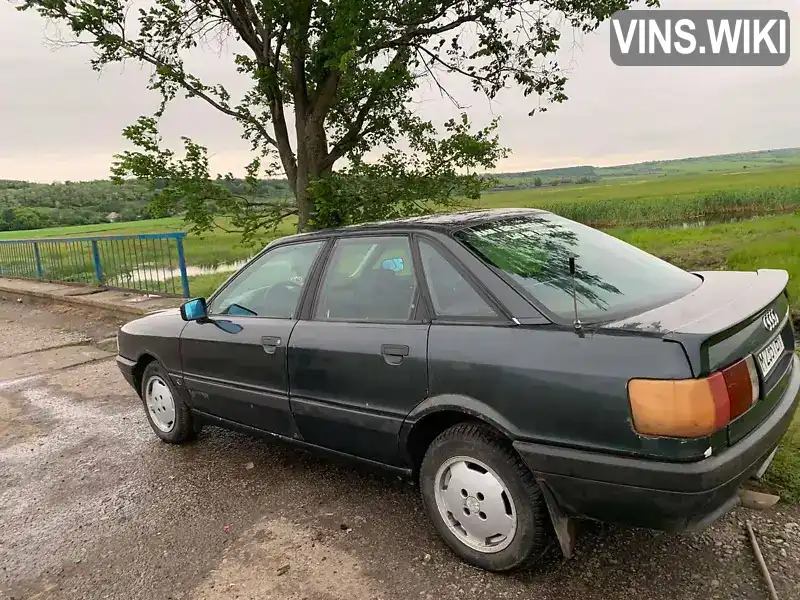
451, 294
612, 279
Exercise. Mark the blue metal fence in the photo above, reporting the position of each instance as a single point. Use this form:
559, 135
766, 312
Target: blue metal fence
148, 262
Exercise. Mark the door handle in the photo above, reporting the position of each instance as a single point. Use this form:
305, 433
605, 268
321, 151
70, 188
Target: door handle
394, 350
270, 344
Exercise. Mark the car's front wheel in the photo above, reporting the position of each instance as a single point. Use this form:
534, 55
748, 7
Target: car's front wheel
482, 499
169, 417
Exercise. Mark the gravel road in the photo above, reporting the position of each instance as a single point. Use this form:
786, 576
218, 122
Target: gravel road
93, 506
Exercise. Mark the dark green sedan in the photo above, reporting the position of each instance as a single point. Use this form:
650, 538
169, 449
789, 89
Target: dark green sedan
526, 370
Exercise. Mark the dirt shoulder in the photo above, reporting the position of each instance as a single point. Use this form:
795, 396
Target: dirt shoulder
93, 506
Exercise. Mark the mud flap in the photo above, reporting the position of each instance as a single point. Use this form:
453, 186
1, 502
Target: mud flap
565, 527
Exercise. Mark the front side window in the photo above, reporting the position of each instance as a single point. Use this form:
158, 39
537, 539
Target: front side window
271, 286
612, 279
368, 279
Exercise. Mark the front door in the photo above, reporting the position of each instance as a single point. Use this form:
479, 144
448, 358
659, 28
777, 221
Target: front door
359, 365
234, 364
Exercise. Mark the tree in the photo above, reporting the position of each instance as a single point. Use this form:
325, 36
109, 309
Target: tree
344, 71
537, 182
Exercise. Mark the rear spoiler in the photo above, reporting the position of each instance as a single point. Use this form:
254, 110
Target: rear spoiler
738, 303
735, 300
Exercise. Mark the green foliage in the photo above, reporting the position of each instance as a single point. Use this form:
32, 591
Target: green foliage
347, 70
189, 187
404, 184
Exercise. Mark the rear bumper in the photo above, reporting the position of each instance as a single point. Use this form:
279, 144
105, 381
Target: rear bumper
658, 495
126, 367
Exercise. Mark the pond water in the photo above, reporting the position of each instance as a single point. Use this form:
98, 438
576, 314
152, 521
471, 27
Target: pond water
707, 222
153, 273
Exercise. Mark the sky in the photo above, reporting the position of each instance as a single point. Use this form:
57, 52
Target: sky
60, 120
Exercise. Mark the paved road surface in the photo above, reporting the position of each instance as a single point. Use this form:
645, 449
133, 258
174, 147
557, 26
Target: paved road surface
93, 506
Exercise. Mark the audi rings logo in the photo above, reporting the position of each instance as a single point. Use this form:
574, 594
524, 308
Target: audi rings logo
770, 320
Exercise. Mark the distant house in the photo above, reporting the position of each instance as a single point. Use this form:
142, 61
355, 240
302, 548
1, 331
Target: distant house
112, 217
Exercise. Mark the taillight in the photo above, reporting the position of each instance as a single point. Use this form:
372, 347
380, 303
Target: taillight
741, 381
688, 408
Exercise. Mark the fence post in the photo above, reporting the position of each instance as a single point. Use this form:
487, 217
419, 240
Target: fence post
98, 268
182, 266
39, 270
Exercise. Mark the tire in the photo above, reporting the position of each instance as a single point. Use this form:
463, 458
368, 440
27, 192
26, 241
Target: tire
506, 485
168, 415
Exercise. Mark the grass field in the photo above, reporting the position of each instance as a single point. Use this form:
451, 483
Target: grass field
765, 242
649, 201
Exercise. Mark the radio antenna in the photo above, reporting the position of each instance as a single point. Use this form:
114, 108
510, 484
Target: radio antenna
577, 323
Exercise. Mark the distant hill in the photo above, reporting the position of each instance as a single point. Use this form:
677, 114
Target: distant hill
725, 163
584, 171
26, 205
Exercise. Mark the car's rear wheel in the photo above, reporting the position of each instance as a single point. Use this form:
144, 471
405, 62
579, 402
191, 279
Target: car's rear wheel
482, 499
166, 412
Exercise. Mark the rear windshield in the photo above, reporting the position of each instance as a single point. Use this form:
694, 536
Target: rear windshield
612, 279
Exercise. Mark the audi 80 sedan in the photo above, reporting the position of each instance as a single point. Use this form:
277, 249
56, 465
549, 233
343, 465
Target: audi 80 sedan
525, 369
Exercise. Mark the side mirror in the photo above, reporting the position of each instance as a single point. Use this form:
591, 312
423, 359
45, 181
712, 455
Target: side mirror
194, 310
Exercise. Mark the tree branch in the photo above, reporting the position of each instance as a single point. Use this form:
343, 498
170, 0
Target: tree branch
325, 95
233, 9
410, 35
442, 90
299, 51
452, 67
284, 144
350, 138
176, 75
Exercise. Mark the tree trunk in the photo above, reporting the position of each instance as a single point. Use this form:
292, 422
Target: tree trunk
305, 203
312, 150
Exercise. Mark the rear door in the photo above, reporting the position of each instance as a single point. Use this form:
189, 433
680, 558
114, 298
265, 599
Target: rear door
359, 364
235, 363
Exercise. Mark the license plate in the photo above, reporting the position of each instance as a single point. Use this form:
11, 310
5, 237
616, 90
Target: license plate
768, 357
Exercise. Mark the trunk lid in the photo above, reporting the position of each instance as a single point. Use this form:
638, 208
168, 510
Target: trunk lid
731, 315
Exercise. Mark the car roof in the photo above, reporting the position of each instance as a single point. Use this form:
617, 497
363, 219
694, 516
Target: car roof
445, 222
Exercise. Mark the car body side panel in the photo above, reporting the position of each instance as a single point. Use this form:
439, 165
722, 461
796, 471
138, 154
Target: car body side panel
344, 393
467, 405
658, 494
155, 335
229, 373
554, 386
